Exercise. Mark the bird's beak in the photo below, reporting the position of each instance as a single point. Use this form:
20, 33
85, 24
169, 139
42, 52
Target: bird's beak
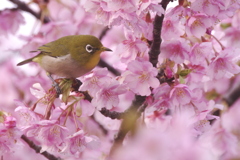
105, 49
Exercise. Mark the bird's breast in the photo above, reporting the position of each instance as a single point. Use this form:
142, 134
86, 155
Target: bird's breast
64, 66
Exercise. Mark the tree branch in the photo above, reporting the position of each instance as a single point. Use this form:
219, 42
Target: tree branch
112, 114
232, 96
157, 40
38, 149
102, 63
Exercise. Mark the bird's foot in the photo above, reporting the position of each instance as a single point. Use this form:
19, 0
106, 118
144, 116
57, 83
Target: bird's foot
57, 88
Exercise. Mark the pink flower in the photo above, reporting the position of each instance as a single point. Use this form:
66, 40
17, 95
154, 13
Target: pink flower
151, 5
102, 15
25, 116
176, 50
209, 7
197, 25
180, 95
10, 122
10, 20
79, 141
9, 137
161, 97
83, 107
131, 48
201, 52
141, 76
107, 96
232, 37
224, 65
171, 28
196, 74
94, 81
51, 134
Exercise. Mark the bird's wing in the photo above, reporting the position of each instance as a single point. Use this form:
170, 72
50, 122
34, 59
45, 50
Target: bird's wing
54, 50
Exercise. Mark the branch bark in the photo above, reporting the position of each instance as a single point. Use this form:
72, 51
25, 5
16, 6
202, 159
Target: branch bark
38, 149
157, 40
232, 96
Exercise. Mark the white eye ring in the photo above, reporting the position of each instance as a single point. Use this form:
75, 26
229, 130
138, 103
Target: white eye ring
89, 48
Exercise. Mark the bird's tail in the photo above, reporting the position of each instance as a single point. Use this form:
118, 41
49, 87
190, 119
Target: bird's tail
25, 61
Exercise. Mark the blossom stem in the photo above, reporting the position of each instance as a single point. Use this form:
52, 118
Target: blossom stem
218, 42
48, 110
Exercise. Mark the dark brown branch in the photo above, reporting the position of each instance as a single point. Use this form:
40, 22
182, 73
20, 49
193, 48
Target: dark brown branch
24, 7
102, 63
112, 114
232, 96
104, 130
104, 32
157, 28
38, 149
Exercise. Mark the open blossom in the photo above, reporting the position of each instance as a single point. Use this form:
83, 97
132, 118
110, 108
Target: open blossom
180, 95
161, 97
9, 133
197, 25
10, 20
141, 77
131, 48
171, 28
94, 81
107, 96
201, 52
151, 5
79, 141
224, 65
25, 116
83, 107
209, 7
51, 134
176, 50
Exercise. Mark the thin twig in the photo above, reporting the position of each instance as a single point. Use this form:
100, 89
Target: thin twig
38, 149
104, 32
102, 63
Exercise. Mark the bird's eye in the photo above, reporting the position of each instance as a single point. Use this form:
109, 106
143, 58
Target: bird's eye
89, 48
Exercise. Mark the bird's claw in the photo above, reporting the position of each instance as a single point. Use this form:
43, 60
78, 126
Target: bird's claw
57, 88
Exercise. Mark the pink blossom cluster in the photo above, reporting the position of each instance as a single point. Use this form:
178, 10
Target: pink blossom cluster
197, 70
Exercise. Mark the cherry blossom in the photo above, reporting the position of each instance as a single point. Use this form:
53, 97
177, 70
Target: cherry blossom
141, 77
176, 50
10, 21
180, 95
